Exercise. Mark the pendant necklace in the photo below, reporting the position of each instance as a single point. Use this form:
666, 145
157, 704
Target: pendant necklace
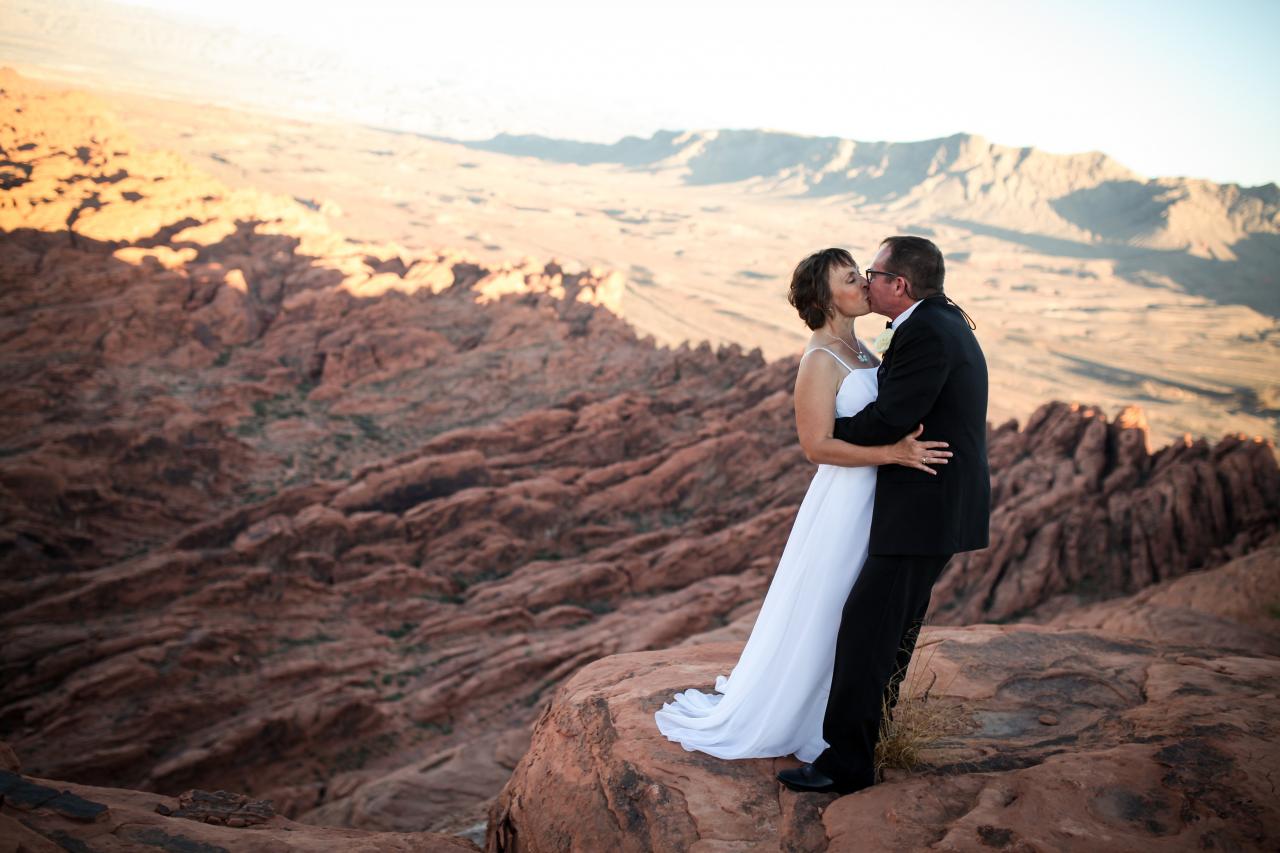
858, 351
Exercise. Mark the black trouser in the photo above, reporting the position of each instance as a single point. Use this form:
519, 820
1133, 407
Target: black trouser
878, 630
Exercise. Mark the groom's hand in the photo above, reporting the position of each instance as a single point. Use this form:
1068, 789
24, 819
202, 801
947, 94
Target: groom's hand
911, 452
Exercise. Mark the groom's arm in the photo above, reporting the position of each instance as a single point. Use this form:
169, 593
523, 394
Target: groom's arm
911, 386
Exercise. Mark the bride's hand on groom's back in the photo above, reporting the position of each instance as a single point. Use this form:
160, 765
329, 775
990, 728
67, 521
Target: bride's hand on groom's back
911, 452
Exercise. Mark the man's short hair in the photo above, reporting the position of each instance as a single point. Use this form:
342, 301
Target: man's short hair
919, 261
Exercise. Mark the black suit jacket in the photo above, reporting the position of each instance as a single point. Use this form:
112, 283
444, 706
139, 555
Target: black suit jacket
935, 374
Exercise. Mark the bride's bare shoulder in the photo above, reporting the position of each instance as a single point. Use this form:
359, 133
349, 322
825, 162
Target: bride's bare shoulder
819, 363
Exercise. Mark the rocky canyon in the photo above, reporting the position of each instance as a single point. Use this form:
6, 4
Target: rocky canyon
401, 547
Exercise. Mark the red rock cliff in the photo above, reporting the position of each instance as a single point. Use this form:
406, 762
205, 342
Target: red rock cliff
1155, 734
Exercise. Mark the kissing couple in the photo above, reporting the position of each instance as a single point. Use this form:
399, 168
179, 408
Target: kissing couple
902, 484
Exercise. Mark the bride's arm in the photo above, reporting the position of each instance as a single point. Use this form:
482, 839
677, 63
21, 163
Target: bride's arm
815, 401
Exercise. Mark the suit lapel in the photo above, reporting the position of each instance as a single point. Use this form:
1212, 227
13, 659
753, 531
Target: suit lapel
893, 342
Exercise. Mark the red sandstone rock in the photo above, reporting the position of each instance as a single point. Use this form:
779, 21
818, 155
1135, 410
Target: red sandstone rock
1078, 741
9, 759
1083, 511
1233, 606
39, 815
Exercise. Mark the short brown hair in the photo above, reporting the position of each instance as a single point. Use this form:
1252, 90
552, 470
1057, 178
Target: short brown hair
810, 292
919, 261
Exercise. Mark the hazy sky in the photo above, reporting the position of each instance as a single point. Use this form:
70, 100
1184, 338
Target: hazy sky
1168, 88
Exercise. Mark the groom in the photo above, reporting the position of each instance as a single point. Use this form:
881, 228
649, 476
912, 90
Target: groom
934, 374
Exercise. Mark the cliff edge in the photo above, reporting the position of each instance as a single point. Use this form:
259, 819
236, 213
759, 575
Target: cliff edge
1157, 735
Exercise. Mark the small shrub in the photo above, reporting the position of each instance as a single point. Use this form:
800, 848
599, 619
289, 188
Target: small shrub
920, 719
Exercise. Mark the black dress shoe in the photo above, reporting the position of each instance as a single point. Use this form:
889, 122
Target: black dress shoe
809, 779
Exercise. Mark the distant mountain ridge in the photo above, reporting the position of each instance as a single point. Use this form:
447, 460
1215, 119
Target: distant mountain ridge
1087, 196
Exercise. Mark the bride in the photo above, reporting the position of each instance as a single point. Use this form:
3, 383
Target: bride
773, 701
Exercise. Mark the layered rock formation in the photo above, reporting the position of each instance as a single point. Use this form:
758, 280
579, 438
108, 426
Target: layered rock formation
1243, 596
1077, 740
280, 506
327, 522
1083, 510
41, 816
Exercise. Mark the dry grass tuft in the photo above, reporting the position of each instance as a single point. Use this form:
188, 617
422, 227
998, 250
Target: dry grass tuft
920, 720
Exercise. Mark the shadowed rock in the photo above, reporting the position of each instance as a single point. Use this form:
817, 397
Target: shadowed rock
1082, 510
36, 816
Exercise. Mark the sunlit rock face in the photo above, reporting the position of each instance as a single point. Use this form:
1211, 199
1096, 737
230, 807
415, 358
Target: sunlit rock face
1155, 732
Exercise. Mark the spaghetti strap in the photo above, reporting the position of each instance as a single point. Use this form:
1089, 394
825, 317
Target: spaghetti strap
830, 353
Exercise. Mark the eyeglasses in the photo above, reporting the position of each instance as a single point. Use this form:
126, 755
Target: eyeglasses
870, 274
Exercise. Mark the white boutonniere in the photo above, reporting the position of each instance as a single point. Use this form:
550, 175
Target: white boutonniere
881, 343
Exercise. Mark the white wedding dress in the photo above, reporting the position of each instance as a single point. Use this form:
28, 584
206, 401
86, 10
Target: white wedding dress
774, 700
